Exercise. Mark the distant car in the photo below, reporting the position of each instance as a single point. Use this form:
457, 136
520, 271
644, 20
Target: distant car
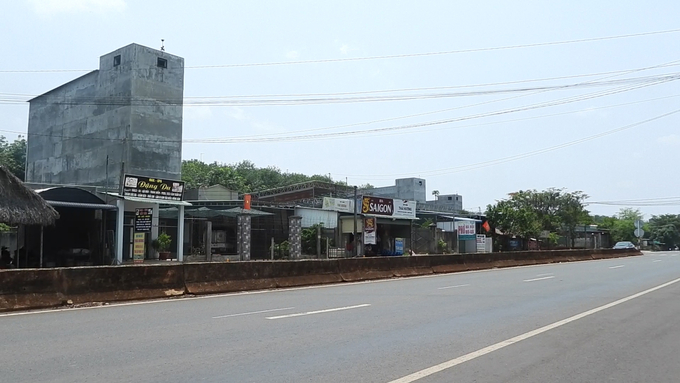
624, 245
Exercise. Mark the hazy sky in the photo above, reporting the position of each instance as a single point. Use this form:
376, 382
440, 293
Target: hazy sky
512, 100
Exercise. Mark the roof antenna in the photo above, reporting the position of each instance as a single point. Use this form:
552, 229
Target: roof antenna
163, 45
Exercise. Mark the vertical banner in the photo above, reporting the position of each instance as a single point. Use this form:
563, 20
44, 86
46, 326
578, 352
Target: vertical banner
399, 246
246, 201
143, 220
370, 227
481, 243
139, 247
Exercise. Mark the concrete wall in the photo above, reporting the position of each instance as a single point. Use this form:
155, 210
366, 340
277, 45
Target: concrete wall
131, 112
413, 189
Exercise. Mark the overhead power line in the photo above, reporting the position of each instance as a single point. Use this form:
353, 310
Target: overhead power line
229, 101
662, 201
498, 161
397, 56
307, 137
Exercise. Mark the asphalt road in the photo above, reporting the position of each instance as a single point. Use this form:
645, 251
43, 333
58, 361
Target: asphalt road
612, 320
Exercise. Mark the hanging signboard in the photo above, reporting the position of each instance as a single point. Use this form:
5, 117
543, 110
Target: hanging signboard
481, 243
338, 204
399, 246
395, 208
153, 188
143, 219
138, 249
370, 227
466, 230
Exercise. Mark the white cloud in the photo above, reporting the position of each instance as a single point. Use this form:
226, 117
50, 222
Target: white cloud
52, 7
237, 114
197, 112
670, 140
344, 49
293, 54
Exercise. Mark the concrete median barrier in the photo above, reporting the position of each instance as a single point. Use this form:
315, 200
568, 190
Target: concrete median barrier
30, 289
42, 288
306, 273
211, 278
411, 266
447, 263
118, 283
364, 269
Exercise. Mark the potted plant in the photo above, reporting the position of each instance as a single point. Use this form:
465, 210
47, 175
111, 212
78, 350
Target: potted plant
162, 246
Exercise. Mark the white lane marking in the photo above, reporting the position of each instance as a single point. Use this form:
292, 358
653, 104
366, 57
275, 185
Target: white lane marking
452, 287
617, 267
252, 312
657, 260
319, 311
538, 279
543, 275
494, 347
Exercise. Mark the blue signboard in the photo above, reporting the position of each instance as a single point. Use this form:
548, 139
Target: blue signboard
399, 246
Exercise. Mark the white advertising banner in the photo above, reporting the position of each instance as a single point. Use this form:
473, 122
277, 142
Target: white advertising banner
338, 204
481, 243
370, 227
466, 230
404, 209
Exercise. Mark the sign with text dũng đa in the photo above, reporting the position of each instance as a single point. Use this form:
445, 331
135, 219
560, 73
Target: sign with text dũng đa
153, 188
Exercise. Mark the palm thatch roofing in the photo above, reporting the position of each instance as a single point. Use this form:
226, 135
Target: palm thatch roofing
20, 205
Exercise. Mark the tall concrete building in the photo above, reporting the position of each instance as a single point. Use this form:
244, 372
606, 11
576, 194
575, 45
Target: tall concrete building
129, 111
404, 188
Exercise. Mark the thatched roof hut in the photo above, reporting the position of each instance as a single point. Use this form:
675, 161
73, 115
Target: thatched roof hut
20, 205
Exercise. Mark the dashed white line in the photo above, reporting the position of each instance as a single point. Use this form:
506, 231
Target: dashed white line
494, 347
617, 267
539, 279
543, 275
252, 313
657, 260
319, 311
452, 287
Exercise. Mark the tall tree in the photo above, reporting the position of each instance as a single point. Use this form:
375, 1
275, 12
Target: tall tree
665, 229
13, 156
530, 212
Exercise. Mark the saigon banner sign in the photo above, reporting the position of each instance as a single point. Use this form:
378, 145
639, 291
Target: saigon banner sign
394, 208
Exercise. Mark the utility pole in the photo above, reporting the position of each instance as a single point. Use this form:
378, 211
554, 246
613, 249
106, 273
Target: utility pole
354, 247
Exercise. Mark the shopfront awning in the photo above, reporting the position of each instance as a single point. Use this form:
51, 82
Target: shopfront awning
204, 212
73, 197
81, 205
150, 200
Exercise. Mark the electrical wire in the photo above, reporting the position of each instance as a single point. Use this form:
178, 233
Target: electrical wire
128, 101
498, 161
375, 130
397, 56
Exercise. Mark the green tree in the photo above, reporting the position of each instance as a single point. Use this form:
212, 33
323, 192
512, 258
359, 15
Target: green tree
621, 226
528, 213
13, 156
665, 229
514, 218
572, 213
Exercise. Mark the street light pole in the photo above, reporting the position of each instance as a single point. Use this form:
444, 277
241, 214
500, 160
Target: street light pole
354, 247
